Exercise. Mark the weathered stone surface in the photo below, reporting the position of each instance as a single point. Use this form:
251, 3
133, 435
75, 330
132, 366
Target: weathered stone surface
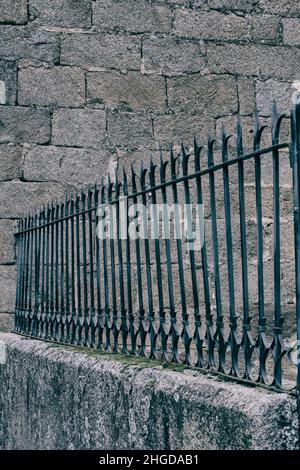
21, 124
58, 86
170, 56
7, 288
78, 127
265, 28
7, 244
214, 95
6, 321
267, 61
131, 91
291, 31
130, 130
233, 5
10, 158
174, 128
212, 25
270, 90
130, 403
66, 165
8, 74
17, 198
136, 16
246, 95
62, 13
110, 51
20, 42
282, 7
13, 11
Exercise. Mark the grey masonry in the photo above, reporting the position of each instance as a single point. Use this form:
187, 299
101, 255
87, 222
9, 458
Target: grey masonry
84, 83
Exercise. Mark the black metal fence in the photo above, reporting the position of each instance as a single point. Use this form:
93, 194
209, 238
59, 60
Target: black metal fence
230, 304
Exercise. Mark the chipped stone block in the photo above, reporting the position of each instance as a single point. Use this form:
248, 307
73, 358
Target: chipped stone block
214, 95
132, 91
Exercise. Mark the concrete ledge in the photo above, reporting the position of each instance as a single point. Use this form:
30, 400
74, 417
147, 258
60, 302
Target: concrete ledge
54, 397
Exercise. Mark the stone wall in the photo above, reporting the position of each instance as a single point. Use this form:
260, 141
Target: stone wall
85, 84
109, 401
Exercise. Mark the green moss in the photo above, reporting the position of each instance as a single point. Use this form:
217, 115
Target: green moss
126, 359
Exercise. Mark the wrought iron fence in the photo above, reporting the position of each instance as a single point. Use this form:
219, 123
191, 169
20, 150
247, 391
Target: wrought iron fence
230, 306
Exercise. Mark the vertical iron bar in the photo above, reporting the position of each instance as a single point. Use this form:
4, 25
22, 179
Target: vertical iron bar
173, 332
105, 274
98, 269
67, 276
23, 274
247, 341
124, 328
151, 330
30, 316
28, 244
79, 322
43, 237
84, 272
73, 320
52, 267
141, 331
262, 340
295, 119
91, 263
19, 240
230, 269
62, 276
219, 335
278, 320
208, 314
131, 328
188, 213
178, 236
47, 294
155, 221
112, 227
57, 310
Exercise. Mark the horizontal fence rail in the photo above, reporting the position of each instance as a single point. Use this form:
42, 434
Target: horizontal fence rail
119, 268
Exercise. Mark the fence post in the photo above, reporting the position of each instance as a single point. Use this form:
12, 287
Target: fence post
296, 185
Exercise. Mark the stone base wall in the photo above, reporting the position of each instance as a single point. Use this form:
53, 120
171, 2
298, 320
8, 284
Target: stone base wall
87, 85
66, 398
